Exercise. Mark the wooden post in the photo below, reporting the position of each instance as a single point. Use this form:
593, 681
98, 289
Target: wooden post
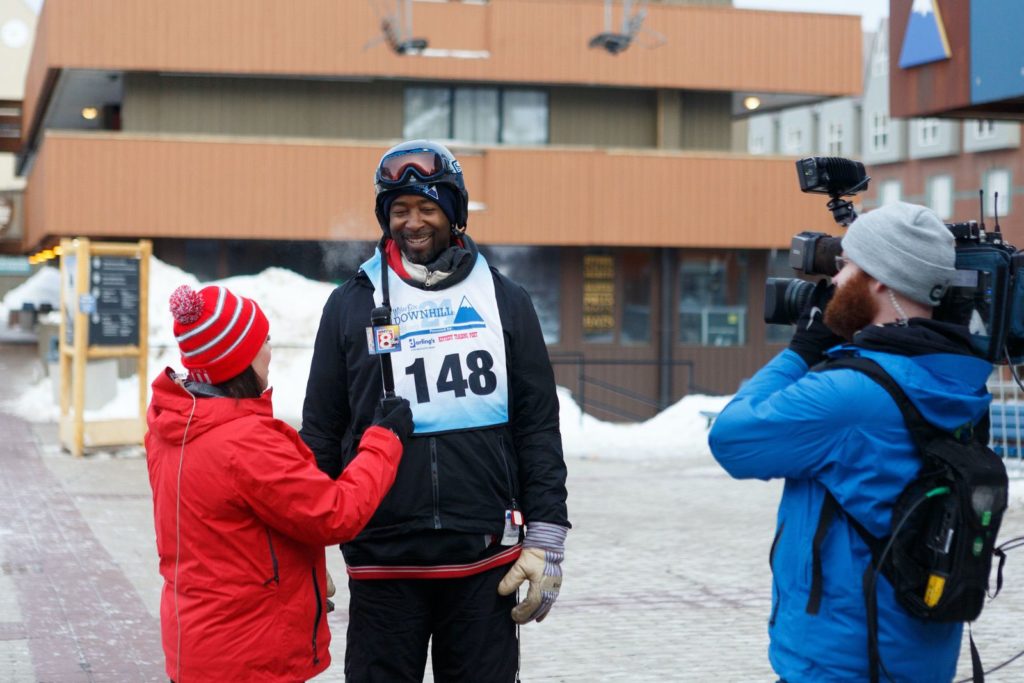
145, 252
64, 355
77, 445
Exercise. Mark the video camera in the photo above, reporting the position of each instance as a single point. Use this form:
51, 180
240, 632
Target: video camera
987, 292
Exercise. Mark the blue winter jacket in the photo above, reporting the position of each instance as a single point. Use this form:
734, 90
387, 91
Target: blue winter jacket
839, 430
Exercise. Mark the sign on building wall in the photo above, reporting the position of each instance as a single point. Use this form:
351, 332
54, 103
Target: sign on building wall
14, 265
598, 295
925, 40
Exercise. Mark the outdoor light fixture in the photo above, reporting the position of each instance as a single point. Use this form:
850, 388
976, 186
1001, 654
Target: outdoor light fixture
32, 260
58, 250
751, 103
90, 113
48, 254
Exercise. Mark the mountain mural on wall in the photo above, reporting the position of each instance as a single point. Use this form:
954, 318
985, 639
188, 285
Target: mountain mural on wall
925, 40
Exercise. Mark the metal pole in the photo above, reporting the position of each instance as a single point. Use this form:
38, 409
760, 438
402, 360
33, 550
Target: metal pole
665, 350
582, 387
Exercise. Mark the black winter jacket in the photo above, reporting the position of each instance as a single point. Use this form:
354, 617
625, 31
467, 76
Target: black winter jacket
448, 482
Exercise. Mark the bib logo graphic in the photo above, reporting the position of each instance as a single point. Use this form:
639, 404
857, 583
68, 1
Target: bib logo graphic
925, 40
466, 313
433, 318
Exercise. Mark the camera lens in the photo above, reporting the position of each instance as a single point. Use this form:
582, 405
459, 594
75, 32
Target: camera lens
784, 299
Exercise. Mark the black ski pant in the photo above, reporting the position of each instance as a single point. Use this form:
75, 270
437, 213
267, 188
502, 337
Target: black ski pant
468, 625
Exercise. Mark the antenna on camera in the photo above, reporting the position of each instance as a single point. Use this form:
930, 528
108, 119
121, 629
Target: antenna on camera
995, 211
981, 207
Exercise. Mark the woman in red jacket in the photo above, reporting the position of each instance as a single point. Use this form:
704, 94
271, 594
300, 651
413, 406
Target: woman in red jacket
242, 512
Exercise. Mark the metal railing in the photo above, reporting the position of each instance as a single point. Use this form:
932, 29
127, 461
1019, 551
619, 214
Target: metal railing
1006, 415
583, 380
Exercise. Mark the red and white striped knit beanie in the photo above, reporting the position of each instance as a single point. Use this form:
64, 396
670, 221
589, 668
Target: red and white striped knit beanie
218, 333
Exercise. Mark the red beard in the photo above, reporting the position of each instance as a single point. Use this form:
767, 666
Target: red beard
852, 308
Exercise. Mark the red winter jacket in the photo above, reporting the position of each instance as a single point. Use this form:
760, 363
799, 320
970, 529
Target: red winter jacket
241, 538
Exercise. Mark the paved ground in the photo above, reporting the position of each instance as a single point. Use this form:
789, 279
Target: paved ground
666, 570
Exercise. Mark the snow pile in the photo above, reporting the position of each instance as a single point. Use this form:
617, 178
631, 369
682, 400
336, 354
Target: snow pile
293, 305
42, 288
291, 302
679, 431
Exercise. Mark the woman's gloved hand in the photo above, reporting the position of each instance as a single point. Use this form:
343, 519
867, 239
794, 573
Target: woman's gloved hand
395, 414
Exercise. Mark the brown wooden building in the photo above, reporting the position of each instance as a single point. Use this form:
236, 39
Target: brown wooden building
242, 134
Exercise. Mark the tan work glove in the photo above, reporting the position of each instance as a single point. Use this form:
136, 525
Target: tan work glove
331, 589
540, 563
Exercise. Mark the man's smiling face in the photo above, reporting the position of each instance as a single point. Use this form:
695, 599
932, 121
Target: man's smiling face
419, 228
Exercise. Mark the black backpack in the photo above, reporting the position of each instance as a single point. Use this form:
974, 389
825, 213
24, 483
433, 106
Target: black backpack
939, 551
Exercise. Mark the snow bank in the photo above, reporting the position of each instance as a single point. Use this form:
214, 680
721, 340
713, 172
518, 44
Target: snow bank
679, 431
43, 287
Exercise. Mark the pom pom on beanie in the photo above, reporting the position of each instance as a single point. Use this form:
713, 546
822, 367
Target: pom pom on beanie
186, 305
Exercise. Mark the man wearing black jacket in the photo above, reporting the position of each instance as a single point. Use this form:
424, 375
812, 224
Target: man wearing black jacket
482, 483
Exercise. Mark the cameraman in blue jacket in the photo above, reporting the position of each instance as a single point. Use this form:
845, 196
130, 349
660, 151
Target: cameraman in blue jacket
840, 432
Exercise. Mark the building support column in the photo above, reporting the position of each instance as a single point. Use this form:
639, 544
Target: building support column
667, 370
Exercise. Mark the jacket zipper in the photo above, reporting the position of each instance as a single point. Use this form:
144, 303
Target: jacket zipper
508, 470
319, 613
435, 482
276, 578
775, 583
508, 473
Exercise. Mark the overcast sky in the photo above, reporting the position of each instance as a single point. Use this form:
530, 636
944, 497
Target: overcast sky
871, 11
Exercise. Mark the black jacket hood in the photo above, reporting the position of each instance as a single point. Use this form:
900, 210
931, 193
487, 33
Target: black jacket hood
919, 337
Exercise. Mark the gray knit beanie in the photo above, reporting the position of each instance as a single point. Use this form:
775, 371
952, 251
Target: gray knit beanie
905, 247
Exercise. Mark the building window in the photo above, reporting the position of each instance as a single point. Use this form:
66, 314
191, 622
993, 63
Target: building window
927, 132
477, 115
757, 144
617, 295
637, 279
713, 300
983, 129
889, 192
879, 132
940, 196
428, 113
835, 139
524, 117
997, 181
538, 270
794, 140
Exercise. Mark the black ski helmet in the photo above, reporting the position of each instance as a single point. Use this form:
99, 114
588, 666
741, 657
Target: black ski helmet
419, 163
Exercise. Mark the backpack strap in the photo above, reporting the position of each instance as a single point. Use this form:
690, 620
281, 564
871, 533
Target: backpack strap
829, 507
921, 432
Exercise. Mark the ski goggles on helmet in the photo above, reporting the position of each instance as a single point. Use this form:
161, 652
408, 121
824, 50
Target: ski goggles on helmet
425, 164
